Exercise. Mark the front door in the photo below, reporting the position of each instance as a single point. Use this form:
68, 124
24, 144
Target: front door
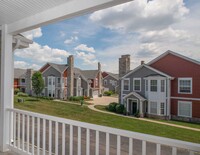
134, 107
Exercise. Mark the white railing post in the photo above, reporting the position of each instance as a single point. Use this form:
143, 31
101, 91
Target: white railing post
88, 142
107, 143
19, 124
97, 143
6, 86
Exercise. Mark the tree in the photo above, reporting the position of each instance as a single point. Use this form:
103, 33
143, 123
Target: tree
37, 83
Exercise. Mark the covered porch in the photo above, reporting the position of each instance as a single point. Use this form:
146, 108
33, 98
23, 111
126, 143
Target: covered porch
24, 132
135, 104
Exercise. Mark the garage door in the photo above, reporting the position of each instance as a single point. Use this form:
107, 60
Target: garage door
95, 94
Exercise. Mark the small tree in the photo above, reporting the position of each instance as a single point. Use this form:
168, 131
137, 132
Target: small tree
37, 83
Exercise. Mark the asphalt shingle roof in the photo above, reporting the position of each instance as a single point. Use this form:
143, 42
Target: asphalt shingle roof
59, 67
19, 73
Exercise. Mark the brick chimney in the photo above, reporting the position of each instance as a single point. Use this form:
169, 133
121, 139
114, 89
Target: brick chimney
29, 74
124, 67
142, 62
70, 76
100, 78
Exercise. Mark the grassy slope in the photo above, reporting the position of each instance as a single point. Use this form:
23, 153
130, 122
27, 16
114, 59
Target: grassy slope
84, 114
193, 125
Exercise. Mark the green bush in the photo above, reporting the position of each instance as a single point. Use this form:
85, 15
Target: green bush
45, 98
16, 91
76, 98
112, 106
137, 114
108, 93
22, 94
119, 108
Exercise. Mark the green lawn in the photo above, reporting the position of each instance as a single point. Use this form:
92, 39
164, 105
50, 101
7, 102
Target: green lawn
193, 125
83, 113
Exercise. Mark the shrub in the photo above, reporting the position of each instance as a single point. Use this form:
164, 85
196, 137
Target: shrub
22, 94
137, 114
76, 98
16, 91
108, 93
119, 108
112, 106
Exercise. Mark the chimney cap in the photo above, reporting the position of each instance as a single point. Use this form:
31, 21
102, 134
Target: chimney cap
142, 62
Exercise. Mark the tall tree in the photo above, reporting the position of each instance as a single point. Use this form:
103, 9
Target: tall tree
37, 83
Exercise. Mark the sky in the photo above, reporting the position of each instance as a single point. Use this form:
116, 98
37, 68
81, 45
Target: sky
144, 29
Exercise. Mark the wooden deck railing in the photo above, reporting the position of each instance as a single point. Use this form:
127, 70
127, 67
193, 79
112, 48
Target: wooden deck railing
33, 133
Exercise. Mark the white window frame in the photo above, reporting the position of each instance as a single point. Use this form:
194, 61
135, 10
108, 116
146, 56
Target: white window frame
58, 81
162, 108
146, 85
128, 85
22, 81
156, 108
105, 82
134, 79
185, 102
179, 79
162, 86
153, 85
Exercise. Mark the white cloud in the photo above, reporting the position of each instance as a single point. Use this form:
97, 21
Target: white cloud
88, 58
149, 29
62, 34
25, 65
71, 40
36, 33
141, 15
42, 54
83, 47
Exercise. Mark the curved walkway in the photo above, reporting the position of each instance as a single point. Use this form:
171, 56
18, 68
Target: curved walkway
143, 119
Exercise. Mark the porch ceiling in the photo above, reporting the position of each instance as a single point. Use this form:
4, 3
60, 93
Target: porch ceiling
24, 15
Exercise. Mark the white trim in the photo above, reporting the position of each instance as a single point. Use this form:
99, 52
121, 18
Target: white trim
137, 100
175, 54
157, 112
123, 84
186, 102
151, 68
185, 98
134, 84
46, 68
110, 75
191, 83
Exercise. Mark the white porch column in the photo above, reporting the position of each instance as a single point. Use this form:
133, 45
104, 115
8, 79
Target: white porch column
168, 98
141, 108
6, 86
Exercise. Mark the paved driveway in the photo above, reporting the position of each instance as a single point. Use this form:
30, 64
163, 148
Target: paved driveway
105, 100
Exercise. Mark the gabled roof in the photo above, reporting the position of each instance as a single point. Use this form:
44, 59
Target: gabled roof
18, 73
115, 76
149, 67
90, 74
175, 54
138, 96
59, 67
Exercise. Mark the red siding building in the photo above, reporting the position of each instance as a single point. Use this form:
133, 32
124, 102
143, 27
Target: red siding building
185, 87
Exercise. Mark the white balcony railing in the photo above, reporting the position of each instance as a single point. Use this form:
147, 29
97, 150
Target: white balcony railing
33, 133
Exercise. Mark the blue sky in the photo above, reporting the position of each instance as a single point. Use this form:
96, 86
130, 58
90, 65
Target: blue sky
139, 28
